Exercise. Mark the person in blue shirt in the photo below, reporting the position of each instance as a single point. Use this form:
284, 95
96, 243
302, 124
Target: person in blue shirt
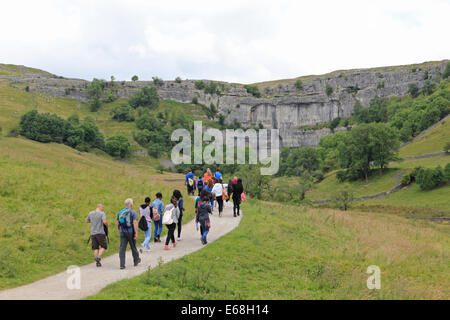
218, 175
189, 182
128, 235
158, 205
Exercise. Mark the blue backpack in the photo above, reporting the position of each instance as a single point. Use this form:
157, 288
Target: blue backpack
125, 218
200, 184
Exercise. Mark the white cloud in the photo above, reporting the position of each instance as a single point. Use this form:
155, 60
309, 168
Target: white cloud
240, 41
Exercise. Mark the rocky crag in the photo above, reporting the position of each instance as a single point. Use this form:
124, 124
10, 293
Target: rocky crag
287, 105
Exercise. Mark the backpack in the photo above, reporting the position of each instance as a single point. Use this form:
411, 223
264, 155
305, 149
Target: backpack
143, 225
190, 182
156, 215
125, 218
200, 184
224, 193
243, 197
167, 217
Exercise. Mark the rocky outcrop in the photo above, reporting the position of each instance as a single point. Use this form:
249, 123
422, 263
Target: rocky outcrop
282, 105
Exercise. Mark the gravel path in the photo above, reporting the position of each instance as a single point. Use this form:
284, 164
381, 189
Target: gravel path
93, 279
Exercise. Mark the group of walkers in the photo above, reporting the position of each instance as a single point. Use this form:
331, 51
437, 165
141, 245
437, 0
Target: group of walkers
210, 189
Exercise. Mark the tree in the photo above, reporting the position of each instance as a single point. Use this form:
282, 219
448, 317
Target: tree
306, 182
343, 198
299, 84
446, 72
122, 112
94, 92
134, 78
199, 85
384, 142
118, 146
146, 97
178, 80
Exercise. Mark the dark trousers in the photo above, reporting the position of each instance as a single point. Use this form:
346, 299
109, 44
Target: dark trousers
220, 203
236, 206
179, 225
125, 239
171, 233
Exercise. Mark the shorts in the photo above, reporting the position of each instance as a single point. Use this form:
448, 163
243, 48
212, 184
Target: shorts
99, 240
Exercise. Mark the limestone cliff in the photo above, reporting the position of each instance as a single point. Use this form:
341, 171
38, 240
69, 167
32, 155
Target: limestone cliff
282, 105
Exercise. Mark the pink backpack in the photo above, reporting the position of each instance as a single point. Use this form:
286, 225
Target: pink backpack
243, 197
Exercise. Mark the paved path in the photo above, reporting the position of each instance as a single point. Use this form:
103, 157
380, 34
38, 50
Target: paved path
93, 279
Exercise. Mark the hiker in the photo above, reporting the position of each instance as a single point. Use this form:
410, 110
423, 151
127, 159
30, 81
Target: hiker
98, 222
170, 219
230, 188
157, 208
218, 192
202, 210
207, 176
218, 175
177, 194
144, 211
238, 189
208, 188
200, 185
127, 223
189, 182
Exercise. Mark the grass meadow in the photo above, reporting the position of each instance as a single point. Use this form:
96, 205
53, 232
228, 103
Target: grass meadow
46, 192
289, 252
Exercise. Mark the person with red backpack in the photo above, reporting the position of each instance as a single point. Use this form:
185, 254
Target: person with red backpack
202, 212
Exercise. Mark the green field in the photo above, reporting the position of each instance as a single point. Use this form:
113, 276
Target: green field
46, 192
432, 141
291, 252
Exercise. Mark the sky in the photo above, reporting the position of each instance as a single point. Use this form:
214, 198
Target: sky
234, 40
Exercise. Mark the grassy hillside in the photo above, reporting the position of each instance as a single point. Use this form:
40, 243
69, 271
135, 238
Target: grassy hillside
290, 252
432, 141
46, 192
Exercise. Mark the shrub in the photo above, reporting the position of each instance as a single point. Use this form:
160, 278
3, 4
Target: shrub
211, 88
406, 179
110, 96
429, 178
199, 85
334, 123
343, 198
118, 146
447, 147
299, 84
122, 112
446, 72
328, 90
194, 100
253, 90
413, 90
178, 80
146, 97
158, 81
14, 132
447, 172
380, 85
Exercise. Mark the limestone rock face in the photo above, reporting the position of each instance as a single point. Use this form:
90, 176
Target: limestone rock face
282, 105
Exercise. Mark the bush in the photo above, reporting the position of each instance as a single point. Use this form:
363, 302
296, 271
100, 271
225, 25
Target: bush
253, 90
343, 198
447, 172
328, 90
446, 73
199, 85
118, 146
178, 80
14, 132
447, 147
146, 97
299, 84
110, 96
413, 90
429, 178
194, 100
211, 88
158, 81
122, 112
406, 179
